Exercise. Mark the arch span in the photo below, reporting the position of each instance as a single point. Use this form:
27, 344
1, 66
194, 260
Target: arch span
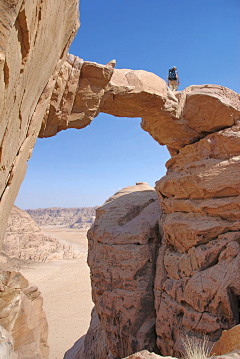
199, 196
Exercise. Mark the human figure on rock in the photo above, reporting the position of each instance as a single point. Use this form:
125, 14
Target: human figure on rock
173, 79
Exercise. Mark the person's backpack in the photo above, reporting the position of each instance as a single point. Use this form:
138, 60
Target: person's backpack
172, 75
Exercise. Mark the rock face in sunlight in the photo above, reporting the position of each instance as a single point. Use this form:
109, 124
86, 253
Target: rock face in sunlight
25, 240
35, 36
123, 247
26, 323
83, 89
198, 289
153, 280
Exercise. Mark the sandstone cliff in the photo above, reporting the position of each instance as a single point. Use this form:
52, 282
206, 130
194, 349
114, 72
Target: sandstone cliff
34, 36
196, 274
82, 217
25, 240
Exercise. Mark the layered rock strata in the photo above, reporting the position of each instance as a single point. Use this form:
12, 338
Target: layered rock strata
198, 287
123, 247
25, 240
22, 316
34, 39
197, 270
81, 217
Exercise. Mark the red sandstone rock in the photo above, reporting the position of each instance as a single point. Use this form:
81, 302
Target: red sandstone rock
123, 244
197, 272
229, 341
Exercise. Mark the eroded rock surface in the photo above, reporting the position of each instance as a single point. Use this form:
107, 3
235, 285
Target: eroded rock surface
22, 316
198, 288
25, 240
34, 39
196, 275
123, 245
229, 341
172, 119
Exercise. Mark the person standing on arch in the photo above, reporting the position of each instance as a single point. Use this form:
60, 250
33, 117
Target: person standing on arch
173, 79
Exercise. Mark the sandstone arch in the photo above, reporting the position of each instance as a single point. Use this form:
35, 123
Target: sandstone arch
197, 274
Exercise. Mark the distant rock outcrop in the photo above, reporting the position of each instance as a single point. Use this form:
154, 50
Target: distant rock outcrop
23, 317
25, 240
78, 218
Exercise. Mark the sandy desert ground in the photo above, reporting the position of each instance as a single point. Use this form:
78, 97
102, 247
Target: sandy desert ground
65, 287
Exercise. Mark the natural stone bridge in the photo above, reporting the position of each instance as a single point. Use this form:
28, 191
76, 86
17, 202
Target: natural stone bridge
197, 281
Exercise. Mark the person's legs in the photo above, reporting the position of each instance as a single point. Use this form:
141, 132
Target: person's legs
173, 85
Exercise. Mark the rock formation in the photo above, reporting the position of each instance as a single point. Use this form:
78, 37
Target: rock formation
229, 342
79, 218
35, 37
25, 240
196, 275
123, 247
199, 287
23, 317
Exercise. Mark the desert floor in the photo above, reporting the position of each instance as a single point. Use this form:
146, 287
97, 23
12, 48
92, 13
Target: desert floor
66, 290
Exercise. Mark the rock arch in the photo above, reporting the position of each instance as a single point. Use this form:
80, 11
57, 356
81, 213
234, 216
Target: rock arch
198, 262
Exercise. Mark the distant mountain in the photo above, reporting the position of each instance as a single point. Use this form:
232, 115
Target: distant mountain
24, 239
82, 217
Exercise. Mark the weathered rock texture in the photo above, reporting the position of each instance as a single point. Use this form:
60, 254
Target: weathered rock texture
22, 316
34, 39
197, 280
198, 287
82, 217
123, 247
229, 341
25, 240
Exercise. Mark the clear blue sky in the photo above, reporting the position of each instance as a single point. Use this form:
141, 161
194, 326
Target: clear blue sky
201, 38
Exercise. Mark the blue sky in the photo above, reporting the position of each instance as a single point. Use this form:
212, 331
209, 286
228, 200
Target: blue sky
80, 168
